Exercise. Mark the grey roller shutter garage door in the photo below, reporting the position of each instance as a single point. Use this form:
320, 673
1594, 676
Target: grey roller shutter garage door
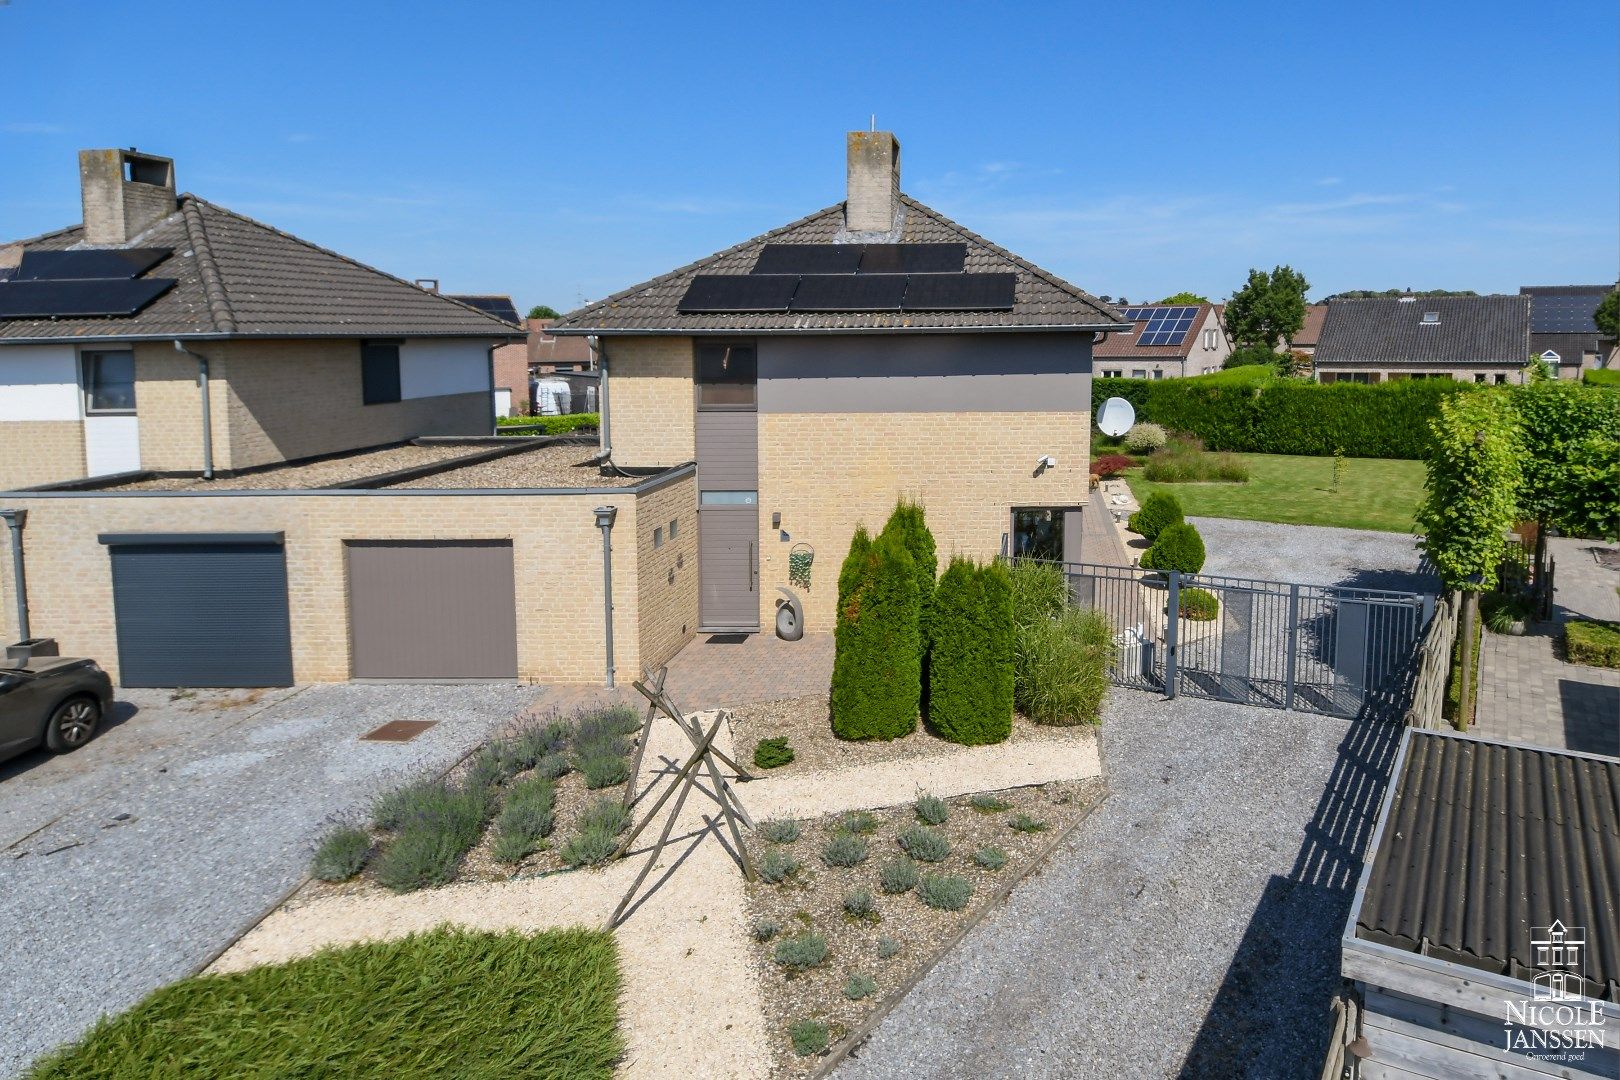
201, 611
432, 609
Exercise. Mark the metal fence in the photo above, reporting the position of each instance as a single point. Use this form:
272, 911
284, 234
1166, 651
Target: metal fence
1288, 646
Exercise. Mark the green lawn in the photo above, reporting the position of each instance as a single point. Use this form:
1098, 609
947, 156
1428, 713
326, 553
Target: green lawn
1377, 493
443, 1003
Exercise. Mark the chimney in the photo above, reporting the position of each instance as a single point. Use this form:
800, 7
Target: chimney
874, 182
124, 193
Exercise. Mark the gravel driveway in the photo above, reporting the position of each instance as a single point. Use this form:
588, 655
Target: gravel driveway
1312, 555
1190, 926
124, 865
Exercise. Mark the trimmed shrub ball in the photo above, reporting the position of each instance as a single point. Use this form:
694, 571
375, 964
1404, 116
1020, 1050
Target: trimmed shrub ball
1159, 510
1199, 605
1179, 548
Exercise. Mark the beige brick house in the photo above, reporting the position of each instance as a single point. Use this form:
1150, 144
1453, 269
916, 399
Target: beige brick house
871, 350
229, 457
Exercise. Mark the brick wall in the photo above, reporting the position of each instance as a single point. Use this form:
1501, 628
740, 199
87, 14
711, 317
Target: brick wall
40, 452
667, 581
650, 400
293, 399
825, 473
168, 406
556, 548
512, 372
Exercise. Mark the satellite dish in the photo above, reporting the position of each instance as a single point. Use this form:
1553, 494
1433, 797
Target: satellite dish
1115, 417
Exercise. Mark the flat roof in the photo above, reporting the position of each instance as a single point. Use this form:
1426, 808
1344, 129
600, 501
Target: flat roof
1482, 844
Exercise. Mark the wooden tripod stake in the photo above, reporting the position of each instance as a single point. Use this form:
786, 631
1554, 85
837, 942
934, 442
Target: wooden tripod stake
703, 754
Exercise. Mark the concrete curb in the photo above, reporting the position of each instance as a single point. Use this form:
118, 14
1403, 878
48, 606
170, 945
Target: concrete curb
853, 1041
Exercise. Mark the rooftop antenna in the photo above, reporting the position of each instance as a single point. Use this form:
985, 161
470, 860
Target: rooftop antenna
874, 121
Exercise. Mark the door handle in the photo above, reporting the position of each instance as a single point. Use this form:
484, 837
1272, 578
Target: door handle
753, 568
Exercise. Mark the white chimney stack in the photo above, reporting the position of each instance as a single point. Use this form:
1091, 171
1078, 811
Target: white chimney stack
874, 182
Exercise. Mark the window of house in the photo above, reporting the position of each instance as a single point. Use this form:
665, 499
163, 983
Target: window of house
1158, 373
1113, 373
673, 523
109, 381
1431, 318
658, 537
1500, 379
1038, 534
1139, 373
379, 372
1209, 339
727, 376
1479, 378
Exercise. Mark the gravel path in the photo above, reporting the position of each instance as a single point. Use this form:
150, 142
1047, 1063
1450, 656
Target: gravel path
224, 793
1313, 555
1188, 929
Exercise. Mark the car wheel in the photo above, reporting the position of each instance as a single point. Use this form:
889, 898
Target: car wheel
73, 724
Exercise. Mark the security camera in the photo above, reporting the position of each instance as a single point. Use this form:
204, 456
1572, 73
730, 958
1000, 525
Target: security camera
1047, 462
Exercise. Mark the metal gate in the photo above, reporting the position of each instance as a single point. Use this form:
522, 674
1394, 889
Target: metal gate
1315, 648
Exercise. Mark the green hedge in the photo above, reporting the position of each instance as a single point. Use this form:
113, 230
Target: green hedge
970, 664
1594, 643
1601, 377
1291, 416
547, 425
877, 658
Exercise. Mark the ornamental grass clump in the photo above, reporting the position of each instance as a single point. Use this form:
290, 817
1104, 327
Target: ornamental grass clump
764, 930
897, 875
596, 837
972, 654
1025, 824
945, 892
800, 952
602, 769
859, 822
525, 820
844, 849
342, 853
877, 662
1063, 663
1185, 461
776, 866
493, 765
986, 803
887, 948
781, 830
540, 740
931, 810
437, 831
925, 845
553, 766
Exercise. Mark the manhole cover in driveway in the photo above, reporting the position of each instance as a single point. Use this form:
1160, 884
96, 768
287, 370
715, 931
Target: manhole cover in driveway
398, 731
1608, 558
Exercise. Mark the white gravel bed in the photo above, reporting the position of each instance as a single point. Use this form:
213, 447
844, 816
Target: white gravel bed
317, 473
561, 465
1189, 927
133, 859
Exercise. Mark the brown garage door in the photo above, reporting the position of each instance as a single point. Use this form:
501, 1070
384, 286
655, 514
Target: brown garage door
432, 609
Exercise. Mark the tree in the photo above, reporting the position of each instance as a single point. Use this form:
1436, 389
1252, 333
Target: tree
541, 311
1251, 355
1571, 437
1185, 298
1607, 316
1475, 475
970, 666
1270, 308
908, 524
877, 661
1390, 294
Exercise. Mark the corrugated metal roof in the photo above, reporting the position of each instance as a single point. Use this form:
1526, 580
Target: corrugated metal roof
1470, 330
1040, 299
237, 276
1483, 841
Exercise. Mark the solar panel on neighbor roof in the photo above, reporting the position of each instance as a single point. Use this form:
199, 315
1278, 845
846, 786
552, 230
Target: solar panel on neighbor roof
1164, 325
960, 292
57, 299
808, 259
850, 292
118, 263
913, 258
738, 292
1564, 314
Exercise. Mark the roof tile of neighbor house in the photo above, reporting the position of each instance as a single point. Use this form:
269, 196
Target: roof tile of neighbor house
1483, 842
238, 277
1311, 333
1569, 347
547, 348
1471, 330
1115, 346
1040, 300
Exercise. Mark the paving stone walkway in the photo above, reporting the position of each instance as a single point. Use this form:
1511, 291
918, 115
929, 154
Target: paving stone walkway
1528, 693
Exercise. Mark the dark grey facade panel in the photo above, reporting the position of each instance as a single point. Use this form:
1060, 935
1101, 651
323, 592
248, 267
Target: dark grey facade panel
728, 554
114, 539
432, 609
201, 614
727, 450
926, 373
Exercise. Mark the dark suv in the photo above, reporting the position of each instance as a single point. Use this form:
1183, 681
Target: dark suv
55, 700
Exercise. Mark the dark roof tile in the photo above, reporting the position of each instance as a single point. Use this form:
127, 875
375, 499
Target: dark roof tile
1471, 330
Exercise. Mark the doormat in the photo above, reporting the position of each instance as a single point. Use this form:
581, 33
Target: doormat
398, 731
1608, 558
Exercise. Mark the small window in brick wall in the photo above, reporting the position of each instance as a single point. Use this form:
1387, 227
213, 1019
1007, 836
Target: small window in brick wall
658, 538
379, 372
673, 523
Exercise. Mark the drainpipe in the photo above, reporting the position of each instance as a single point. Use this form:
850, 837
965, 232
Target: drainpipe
15, 519
604, 521
207, 420
604, 432
494, 414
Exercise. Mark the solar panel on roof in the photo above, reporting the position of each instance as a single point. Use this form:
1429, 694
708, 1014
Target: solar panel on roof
1564, 313
738, 292
499, 306
960, 292
808, 259
120, 263
850, 292
913, 258
57, 299
1165, 325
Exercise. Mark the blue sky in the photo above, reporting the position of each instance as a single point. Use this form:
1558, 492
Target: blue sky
558, 154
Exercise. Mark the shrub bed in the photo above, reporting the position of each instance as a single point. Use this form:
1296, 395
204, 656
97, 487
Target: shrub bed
1184, 460
1594, 643
547, 425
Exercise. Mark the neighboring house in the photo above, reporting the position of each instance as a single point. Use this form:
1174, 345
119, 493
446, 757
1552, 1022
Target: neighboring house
1482, 339
1311, 332
816, 373
112, 331
550, 353
1165, 341
562, 370
1483, 939
291, 471
1562, 331
511, 360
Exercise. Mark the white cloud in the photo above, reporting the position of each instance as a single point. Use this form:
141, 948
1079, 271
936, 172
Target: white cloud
30, 128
